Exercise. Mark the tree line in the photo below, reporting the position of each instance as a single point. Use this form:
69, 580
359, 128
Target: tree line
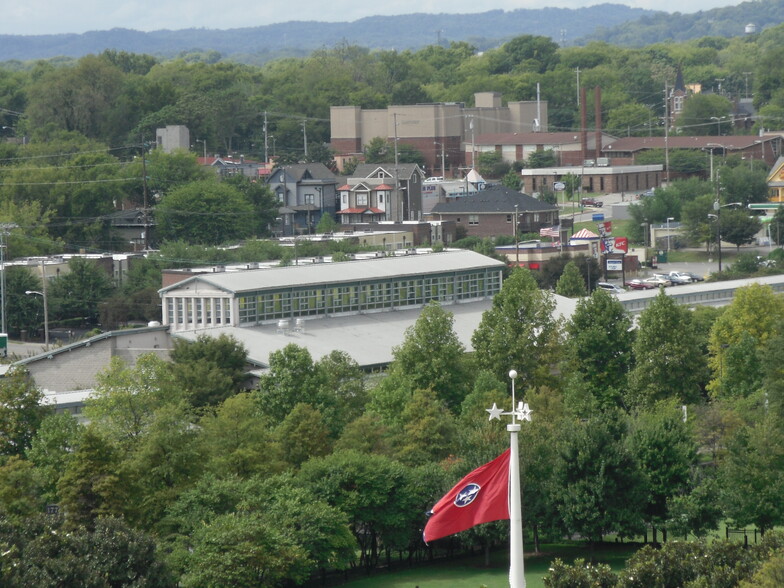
187, 474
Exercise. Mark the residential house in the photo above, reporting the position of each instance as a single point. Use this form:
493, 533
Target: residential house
492, 212
306, 192
230, 166
381, 191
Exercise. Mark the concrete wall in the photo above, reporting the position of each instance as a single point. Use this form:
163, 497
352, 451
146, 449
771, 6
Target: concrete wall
76, 366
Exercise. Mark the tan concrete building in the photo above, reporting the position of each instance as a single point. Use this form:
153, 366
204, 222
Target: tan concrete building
439, 131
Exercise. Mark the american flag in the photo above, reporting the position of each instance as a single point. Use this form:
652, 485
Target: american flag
554, 232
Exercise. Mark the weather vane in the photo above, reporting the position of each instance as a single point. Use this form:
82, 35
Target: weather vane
522, 412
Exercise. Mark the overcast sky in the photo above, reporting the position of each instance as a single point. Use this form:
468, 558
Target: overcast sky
40, 17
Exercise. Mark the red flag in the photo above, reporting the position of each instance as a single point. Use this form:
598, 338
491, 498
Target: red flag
482, 496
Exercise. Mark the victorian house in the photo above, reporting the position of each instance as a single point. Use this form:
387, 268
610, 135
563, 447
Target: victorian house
306, 192
382, 192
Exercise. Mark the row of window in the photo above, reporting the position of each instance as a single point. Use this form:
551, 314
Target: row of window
270, 306
199, 311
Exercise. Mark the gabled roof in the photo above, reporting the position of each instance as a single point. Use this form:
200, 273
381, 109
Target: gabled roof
776, 175
309, 171
498, 199
404, 170
584, 234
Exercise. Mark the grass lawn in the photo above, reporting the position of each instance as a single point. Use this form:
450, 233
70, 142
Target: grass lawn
469, 572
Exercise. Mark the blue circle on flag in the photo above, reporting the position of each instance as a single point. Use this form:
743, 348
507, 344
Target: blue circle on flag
467, 495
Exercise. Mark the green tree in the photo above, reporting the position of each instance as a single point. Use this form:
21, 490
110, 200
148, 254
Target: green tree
700, 113
302, 435
292, 378
738, 228
77, 294
518, 332
755, 312
167, 459
209, 369
571, 283
666, 455
51, 449
45, 552
91, 486
205, 212
243, 550
432, 357
539, 159
429, 432
24, 313
599, 351
20, 491
21, 412
342, 393
598, 488
490, 164
372, 490
238, 440
752, 475
126, 398
512, 180
668, 361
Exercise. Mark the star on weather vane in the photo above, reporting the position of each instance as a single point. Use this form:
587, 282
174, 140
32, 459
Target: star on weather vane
522, 412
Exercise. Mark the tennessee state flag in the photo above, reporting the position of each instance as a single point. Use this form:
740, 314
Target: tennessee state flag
482, 496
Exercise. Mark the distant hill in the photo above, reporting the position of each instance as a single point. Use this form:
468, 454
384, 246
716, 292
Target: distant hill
413, 31
729, 21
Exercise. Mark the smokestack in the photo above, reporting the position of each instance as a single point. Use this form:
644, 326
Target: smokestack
598, 115
583, 127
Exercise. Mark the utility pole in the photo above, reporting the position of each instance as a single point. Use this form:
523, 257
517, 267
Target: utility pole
144, 189
305, 136
666, 134
578, 86
266, 142
4, 231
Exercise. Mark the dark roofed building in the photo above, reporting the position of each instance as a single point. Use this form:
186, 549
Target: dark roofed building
765, 148
492, 212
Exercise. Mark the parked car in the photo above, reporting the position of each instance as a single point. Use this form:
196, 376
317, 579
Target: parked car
694, 277
639, 285
612, 288
679, 278
591, 202
658, 280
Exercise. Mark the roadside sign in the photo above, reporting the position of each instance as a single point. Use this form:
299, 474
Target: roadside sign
559, 186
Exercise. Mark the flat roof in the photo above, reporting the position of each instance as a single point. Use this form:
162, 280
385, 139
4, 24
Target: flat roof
364, 270
368, 338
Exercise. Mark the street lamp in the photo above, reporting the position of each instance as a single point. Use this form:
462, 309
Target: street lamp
644, 234
717, 209
669, 218
718, 120
46, 314
517, 239
443, 157
204, 143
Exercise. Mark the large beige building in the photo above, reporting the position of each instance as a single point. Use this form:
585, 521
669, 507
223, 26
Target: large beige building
440, 131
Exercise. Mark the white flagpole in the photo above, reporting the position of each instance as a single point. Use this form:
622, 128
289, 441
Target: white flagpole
522, 412
516, 563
